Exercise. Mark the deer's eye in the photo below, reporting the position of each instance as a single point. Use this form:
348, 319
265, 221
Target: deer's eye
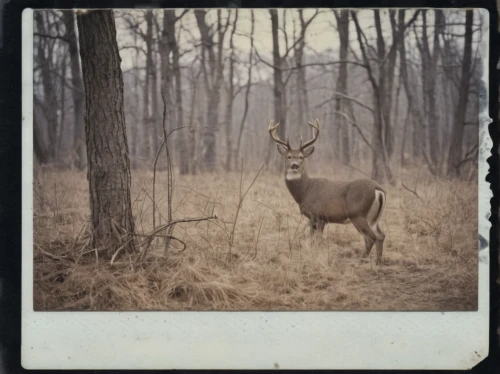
301, 157
289, 157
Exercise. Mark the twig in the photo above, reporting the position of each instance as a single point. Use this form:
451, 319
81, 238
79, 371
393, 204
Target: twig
257, 241
51, 255
241, 202
154, 182
412, 191
165, 227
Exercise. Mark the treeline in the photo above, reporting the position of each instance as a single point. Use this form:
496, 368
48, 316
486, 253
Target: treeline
396, 88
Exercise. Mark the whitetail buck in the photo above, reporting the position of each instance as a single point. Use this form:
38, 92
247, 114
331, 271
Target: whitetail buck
360, 202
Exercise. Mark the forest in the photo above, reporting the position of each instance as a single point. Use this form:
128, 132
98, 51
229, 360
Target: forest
158, 118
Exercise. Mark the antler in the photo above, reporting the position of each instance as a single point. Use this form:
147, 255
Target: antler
273, 130
314, 125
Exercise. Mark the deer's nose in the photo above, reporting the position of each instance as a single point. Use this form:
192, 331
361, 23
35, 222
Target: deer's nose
295, 166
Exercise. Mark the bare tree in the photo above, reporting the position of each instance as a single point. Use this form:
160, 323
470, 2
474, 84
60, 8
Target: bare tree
429, 79
78, 94
213, 79
169, 43
249, 83
230, 96
381, 171
107, 150
299, 44
279, 86
342, 18
455, 150
50, 101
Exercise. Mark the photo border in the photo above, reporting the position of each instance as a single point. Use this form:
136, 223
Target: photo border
233, 340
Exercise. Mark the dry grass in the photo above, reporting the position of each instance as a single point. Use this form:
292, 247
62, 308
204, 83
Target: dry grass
430, 255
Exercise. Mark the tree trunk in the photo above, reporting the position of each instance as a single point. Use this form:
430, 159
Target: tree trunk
62, 116
107, 150
340, 102
387, 94
49, 93
147, 118
156, 122
417, 117
166, 70
381, 171
78, 94
279, 88
429, 77
230, 98
455, 151
249, 84
302, 96
212, 83
185, 154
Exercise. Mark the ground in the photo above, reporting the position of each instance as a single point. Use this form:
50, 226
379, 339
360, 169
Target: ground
429, 262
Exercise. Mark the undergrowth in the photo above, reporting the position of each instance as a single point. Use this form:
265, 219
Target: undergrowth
269, 262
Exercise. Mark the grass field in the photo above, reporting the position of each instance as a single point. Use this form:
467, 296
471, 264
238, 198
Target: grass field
430, 254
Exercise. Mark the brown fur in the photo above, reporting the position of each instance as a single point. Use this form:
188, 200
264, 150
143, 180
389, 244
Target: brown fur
324, 201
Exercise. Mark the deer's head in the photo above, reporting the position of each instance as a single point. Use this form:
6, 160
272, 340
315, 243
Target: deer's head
294, 158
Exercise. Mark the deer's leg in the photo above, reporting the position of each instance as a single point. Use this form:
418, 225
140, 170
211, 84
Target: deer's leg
368, 233
380, 243
317, 227
321, 226
312, 225
369, 242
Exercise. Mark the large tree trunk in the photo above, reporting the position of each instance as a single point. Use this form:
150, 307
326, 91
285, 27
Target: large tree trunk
340, 102
107, 150
457, 134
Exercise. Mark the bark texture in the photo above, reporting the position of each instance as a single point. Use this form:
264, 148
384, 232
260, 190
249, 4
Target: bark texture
107, 150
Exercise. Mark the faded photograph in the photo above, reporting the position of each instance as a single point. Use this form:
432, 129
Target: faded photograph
265, 159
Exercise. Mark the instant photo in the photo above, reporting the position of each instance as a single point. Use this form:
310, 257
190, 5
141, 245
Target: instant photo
318, 173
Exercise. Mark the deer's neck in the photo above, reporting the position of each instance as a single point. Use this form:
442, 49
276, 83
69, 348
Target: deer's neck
297, 185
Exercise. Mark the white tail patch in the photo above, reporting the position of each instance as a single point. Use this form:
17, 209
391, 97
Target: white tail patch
292, 175
376, 210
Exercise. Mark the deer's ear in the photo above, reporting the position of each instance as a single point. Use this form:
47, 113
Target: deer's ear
308, 151
282, 149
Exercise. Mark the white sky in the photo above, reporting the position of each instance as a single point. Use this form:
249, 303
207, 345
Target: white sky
321, 33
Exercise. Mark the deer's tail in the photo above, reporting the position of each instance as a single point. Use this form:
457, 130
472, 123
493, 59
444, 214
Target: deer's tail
377, 207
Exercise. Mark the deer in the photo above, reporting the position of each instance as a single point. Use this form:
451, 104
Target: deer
360, 202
